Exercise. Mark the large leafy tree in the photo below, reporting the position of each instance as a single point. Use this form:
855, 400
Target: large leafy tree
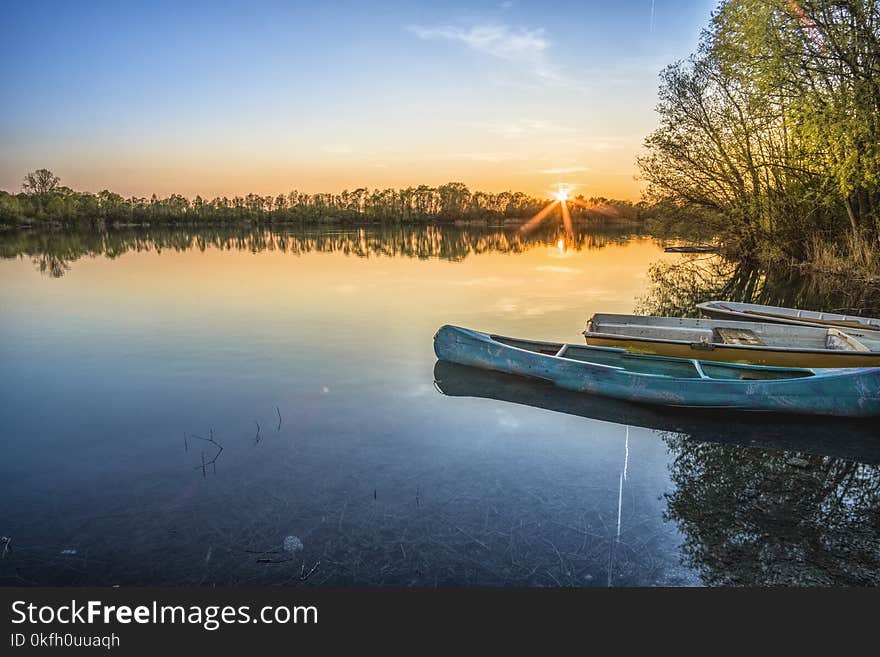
774, 124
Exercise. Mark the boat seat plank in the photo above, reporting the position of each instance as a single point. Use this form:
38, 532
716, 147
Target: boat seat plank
738, 336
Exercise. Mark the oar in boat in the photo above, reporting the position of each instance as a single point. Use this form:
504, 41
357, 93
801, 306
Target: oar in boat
758, 312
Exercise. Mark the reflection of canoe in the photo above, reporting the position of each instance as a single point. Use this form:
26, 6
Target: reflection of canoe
855, 440
757, 313
736, 342
665, 381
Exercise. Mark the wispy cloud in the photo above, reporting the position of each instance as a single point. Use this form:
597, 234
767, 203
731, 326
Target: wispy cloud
488, 157
496, 40
604, 146
338, 149
522, 46
564, 170
345, 288
604, 143
525, 127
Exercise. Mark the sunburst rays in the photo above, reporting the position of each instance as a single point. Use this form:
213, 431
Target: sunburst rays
532, 223
563, 199
566, 218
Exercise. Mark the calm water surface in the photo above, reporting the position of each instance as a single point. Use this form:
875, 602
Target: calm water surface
308, 357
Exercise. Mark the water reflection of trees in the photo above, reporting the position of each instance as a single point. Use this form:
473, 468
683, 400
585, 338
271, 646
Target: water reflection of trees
53, 251
754, 516
759, 517
676, 287
760, 500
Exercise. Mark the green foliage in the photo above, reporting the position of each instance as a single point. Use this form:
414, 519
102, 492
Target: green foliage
449, 202
774, 125
10, 209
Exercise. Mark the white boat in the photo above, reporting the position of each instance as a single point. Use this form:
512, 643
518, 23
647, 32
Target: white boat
759, 313
755, 343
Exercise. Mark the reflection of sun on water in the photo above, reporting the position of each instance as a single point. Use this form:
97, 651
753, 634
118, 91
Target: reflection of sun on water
560, 249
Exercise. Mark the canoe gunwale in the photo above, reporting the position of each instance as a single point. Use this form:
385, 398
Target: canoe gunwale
493, 338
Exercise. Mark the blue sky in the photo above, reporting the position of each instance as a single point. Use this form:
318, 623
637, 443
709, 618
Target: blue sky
230, 97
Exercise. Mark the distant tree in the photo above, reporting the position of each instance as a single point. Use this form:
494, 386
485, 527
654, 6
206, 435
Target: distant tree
10, 209
454, 198
41, 182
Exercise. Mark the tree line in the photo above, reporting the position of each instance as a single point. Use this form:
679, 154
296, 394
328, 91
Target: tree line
43, 200
770, 132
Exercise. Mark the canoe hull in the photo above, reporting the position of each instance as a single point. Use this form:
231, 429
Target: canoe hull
846, 393
766, 356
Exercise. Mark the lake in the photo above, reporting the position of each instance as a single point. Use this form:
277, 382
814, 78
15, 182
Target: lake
246, 407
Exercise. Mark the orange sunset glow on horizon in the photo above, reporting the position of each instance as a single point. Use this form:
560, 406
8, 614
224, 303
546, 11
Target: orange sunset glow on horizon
502, 98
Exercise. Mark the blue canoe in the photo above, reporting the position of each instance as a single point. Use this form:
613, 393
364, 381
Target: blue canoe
616, 373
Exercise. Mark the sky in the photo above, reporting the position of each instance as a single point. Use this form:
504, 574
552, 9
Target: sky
225, 98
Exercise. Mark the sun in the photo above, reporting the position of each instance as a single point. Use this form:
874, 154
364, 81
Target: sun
562, 192
561, 198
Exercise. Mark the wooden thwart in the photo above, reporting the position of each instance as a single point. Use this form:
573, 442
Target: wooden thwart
738, 336
844, 342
